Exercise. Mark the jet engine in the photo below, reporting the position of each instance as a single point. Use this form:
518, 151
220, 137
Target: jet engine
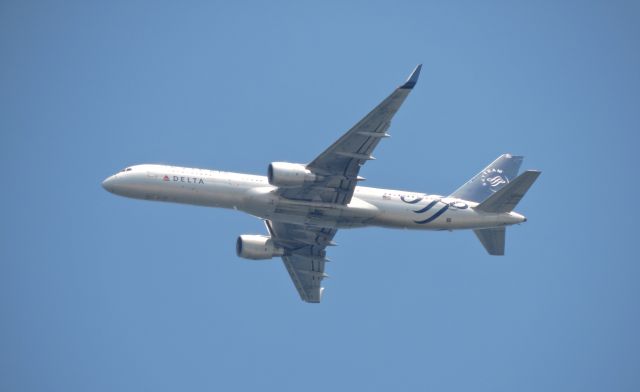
284, 174
257, 247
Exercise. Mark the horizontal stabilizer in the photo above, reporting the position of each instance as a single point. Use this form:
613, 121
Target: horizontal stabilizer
492, 240
506, 199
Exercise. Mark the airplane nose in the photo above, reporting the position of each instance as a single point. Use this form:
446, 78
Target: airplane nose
108, 184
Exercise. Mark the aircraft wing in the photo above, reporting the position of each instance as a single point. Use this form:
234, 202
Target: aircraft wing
304, 255
339, 165
337, 168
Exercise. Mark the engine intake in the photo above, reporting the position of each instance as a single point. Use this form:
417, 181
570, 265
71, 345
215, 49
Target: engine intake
257, 247
284, 174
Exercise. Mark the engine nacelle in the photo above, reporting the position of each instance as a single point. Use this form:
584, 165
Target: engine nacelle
284, 174
257, 247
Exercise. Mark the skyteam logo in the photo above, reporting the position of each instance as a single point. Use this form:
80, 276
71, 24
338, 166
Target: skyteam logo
493, 178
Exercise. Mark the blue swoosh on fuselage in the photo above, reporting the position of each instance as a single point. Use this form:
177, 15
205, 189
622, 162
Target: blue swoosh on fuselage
434, 216
427, 208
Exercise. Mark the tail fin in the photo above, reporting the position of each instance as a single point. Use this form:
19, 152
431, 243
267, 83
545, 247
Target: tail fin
491, 179
506, 199
492, 240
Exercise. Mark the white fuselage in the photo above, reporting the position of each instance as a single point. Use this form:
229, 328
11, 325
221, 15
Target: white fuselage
254, 195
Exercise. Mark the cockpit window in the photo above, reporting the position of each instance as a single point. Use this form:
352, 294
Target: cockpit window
126, 170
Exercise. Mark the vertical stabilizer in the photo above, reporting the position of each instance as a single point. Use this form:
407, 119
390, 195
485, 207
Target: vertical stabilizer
490, 180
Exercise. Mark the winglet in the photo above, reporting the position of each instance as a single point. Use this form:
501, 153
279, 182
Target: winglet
413, 79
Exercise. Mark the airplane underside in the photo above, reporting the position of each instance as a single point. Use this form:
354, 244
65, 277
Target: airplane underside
304, 205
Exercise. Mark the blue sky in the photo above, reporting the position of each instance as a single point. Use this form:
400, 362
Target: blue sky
101, 293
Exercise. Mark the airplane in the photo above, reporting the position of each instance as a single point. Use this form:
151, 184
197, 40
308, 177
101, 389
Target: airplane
304, 205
